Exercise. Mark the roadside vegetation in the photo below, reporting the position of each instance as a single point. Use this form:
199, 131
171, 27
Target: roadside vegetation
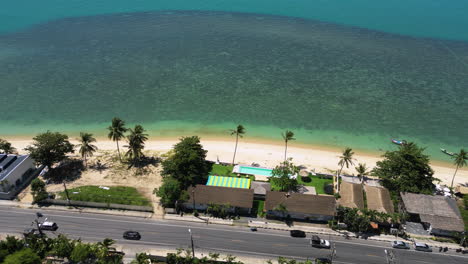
464, 211
35, 249
257, 208
185, 167
115, 194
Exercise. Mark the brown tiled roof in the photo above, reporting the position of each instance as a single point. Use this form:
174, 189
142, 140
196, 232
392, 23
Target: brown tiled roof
351, 195
430, 205
222, 195
444, 223
379, 199
440, 211
302, 203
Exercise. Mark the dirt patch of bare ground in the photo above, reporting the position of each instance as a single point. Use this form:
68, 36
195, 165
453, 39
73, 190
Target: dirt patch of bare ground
105, 169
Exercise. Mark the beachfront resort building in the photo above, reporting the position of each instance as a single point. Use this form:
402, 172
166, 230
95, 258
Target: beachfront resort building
300, 206
239, 200
437, 215
351, 195
14, 171
378, 199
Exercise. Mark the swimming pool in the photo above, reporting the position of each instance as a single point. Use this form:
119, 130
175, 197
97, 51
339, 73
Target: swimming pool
252, 170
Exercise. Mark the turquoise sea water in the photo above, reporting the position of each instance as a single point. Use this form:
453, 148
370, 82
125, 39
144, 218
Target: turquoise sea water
374, 71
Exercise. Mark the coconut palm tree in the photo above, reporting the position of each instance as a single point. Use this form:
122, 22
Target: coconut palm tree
6, 147
287, 136
460, 160
345, 159
362, 171
136, 143
116, 132
86, 148
282, 209
239, 132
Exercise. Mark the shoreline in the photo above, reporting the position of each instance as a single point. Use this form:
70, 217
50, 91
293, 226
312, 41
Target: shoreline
269, 153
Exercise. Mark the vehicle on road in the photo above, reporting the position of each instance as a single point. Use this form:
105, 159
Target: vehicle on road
317, 242
253, 229
400, 244
422, 247
297, 233
131, 235
47, 225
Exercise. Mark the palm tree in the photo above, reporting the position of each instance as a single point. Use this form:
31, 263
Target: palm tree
362, 171
287, 136
136, 143
107, 243
116, 132
6, 147
345, 159
282, 209
239, 132
460, 160
86, 148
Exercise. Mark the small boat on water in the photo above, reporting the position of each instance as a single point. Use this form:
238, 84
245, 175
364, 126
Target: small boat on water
399, 142
447, 152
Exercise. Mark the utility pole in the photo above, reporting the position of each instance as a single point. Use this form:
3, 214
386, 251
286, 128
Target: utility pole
191, 241
333, 252
66, 192
390, 257
38, 215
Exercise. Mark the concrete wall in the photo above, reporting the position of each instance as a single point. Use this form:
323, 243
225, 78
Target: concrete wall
203, 207
441, 232
300, 216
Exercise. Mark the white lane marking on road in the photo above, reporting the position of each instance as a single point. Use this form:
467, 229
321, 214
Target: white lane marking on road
152, 223
207, 228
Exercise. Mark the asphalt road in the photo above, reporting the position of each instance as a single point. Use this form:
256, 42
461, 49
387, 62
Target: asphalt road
215, 238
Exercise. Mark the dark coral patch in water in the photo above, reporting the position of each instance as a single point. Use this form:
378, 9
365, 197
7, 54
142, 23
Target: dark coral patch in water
214, 67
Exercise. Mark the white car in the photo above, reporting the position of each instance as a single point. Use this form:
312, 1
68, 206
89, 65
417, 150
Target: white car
400, 244
317, 242
51, 226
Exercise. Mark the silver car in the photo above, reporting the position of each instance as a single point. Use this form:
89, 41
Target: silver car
422, 247
400, 244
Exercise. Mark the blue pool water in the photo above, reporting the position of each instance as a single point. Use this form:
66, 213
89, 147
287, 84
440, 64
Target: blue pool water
256, 171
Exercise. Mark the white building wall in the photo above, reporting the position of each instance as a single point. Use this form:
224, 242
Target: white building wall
16, 174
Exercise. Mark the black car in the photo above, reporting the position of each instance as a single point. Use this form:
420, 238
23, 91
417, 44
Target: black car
298, 233
132, 235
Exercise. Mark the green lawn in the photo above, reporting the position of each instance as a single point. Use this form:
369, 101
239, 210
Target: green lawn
258, 206
317, 182
117, 195
222, 170
226, 170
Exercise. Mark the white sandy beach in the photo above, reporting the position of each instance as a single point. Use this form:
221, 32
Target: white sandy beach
271, 154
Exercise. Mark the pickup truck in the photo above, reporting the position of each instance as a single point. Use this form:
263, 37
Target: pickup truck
317, 242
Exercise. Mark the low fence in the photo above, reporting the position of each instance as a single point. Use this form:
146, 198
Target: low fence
97, 205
